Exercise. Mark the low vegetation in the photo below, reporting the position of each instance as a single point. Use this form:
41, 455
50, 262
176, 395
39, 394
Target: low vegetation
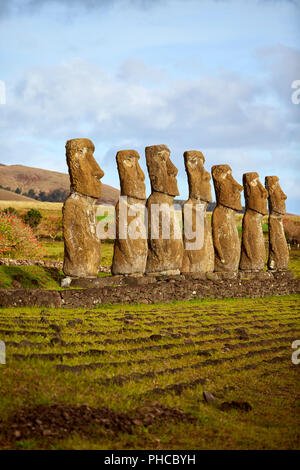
133, 377
17, 239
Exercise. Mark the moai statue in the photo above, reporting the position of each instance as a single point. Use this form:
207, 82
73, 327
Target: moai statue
131, 246
82, 247
165, 246
253, 253
225, 235
278, 248
200, 257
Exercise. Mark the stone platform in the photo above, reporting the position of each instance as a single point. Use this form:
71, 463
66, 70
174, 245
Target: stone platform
132, 280
148, 290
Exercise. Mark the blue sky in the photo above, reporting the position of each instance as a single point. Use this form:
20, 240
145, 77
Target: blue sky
212, 75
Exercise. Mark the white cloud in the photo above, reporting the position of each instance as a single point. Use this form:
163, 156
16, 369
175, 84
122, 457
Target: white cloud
224, 114
54, 102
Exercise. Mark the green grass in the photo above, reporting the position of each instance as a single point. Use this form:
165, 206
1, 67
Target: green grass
107, 251
198, 339
55, 251
29, 277
294, 262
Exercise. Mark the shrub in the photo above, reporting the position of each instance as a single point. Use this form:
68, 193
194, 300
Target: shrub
51, 227
17, 239
33, 218
10, 211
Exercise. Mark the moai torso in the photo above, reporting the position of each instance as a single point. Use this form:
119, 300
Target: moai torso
225, 235
278, 249
253, 252
198, 256
165, 246
82, 247
131, 247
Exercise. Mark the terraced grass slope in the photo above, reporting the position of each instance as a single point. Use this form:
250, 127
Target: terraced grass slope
133, 377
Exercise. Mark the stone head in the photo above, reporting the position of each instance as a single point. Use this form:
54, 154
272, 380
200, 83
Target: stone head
85, 173
161, 170
276, 196
255, 193
228, 191
131, 175
198, 177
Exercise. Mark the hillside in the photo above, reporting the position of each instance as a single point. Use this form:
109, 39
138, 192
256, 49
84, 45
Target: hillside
26, 178
11, 196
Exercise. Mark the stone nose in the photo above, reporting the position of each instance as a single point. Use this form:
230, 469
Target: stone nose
172, 170
206, 176
100, 173
235, 184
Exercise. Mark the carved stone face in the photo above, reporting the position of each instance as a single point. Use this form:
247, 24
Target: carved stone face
85, 173
276, 195
255, 193
161, 170
228, 191
131, 175
198, 177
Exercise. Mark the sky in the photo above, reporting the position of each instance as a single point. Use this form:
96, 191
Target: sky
211, 75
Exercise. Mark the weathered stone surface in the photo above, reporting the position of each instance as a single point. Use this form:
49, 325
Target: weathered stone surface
224, 231
258, 275
228, 275
198, 256
111, 281
31, 262
132, 178
30, 298
131, 246
82, 247
85, 173
198, 177
278, 248
165, 250
161, 170
164, 254
151, 293
285, 274
195, 276
253, 251
208, 397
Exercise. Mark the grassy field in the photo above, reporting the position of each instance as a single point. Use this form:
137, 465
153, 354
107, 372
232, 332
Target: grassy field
55, 251
54, 207
133, 377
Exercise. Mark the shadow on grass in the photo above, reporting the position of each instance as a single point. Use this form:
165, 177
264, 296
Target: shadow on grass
29, 277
